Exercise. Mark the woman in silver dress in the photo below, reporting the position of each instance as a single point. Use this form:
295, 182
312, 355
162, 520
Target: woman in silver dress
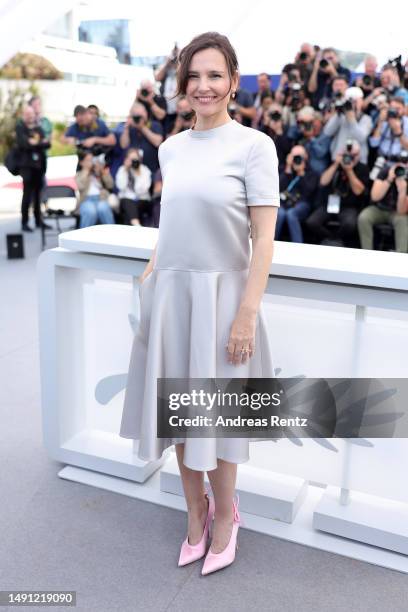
200, 294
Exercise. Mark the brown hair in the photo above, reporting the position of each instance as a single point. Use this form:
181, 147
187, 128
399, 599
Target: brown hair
208, 40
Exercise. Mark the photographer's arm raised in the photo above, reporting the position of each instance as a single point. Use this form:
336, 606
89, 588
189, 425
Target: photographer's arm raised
380, 187
357, 186
327, 176
402, 202
332, 126
152, 137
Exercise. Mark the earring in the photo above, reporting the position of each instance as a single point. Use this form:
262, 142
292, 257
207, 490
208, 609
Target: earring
234, 93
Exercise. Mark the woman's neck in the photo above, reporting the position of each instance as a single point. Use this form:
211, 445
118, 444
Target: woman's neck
207, 123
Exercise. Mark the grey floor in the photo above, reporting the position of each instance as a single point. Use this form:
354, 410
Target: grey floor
119, 553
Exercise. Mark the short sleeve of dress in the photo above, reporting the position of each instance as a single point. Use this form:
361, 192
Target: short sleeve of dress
261, 174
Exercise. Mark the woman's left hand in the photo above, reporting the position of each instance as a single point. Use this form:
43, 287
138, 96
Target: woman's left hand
242, 337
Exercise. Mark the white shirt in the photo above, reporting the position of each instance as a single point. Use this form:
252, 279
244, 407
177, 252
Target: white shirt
142, 183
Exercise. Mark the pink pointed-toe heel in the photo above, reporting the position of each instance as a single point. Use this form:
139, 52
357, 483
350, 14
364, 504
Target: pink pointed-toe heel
190, 552
216, 561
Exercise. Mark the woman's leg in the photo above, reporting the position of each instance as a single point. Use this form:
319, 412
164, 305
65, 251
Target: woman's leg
197, 506
223, 480
26, 175
294, 216
104, 211
129, 211
88, 213
38, 177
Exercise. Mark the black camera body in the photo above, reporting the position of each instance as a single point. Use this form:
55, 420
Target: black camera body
275, 115
401, 172
342, 105
289, 198
392, 113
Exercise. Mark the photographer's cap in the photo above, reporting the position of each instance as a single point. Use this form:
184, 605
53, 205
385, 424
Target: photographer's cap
354, 93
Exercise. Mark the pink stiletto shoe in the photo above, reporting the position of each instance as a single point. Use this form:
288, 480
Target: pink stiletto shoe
189, 552
216, 561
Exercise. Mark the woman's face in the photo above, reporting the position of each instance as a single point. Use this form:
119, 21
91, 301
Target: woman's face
133, 155
208, 82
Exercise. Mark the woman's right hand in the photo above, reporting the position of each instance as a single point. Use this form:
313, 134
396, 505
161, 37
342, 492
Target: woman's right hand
143, 277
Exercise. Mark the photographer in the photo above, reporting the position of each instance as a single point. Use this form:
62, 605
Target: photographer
391, 81
155, 105
273, 126
343, 190
133, 181
166, 75
94, 183
298, 185
349, 123
31, 144
390, 134
308, 133
325, 68
184, 119
267, 100
369, 80
389, 205
304, 61
88, 131
291, 93
264, 89
140, 133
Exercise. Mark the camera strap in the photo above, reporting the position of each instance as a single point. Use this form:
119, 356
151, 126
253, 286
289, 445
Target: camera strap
292, 183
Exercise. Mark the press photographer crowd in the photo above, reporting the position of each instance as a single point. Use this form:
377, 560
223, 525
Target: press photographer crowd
342, 146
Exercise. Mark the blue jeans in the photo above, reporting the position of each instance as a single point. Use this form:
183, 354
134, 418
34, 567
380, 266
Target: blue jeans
293, 217
93, 209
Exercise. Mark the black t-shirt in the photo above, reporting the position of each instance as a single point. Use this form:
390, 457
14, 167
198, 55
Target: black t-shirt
389, 201
159, 100
304, 187
341, 186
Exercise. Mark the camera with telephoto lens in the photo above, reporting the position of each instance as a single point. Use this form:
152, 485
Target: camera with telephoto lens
137, 118
323, 63
303, 56
275, 115
341, 104
402, 170
305, 126
392, 113
288, 198
367, 80
98, 151
297, 160
145, 92
348, 156
135, 163
295, 92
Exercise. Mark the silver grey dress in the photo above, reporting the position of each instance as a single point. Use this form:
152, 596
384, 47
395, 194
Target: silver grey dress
190, 299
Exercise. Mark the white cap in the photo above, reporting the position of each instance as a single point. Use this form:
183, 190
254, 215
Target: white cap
354, 93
